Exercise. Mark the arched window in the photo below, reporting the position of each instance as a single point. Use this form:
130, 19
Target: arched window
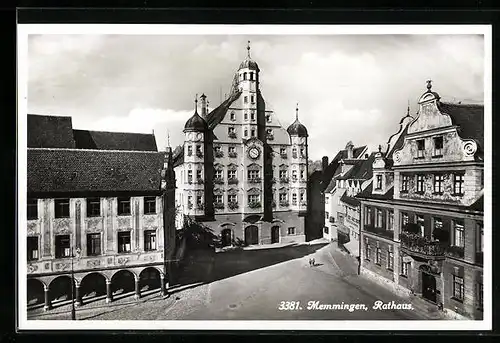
251, 76
244, 76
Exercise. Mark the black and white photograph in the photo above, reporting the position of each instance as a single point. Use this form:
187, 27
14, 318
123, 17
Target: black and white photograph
271, 177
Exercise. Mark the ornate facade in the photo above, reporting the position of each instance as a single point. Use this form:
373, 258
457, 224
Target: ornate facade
99, 211
239, 171
422, 215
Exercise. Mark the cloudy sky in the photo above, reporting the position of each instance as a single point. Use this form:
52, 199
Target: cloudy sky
349, 87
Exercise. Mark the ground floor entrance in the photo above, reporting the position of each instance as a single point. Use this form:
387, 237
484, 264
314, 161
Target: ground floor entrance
428, 286
251, 235
275, 234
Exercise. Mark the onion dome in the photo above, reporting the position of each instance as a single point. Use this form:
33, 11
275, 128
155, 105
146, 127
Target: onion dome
296, 128
248, 63
196, 122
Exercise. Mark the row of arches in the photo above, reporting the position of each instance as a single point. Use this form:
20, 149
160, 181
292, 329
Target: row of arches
92, 287
251, 235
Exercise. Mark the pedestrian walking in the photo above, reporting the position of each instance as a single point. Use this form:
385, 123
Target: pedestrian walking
313, 262
310, 262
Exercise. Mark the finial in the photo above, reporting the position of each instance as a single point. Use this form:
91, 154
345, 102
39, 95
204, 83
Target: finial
380, 148
429, 85
248, 48
408, 109
203, 96
196, 103
297, 112
168, 138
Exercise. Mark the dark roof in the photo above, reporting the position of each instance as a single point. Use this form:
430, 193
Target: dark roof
218, 113
50, 132
367, 193
478, 205
178, 155
350, 200
297, 129
250, 64
195, 123
362, 169
101, 140
329, 173
469, 117
67, 171
399, 143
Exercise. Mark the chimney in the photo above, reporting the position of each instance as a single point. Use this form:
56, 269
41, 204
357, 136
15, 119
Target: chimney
203, 98
324, 163
349, 152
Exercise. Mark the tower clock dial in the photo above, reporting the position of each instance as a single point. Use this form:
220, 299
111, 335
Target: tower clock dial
254, 152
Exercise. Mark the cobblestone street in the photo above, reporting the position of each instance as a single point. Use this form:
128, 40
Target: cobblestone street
257, 293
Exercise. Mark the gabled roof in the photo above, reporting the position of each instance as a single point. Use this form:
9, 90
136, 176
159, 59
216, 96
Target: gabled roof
478, 205
399, 143
367, 193
102, 140
332, 167
178, 155
73, 170
469, 117
217, 115
50, 132
350, 200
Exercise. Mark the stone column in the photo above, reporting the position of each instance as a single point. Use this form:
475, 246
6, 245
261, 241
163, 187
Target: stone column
137, 288
109, 292
48, 303
162, 285
78, 295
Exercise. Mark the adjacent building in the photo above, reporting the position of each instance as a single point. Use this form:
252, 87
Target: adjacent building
239, 171
422, 214
99, 211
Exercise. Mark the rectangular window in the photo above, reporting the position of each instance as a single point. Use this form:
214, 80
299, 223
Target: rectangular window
368, 251
294, 198
190, 150
282, 173
252, 115
198, 149
218, 198
420, 148
379, 218
233, 116
302, 152
246, 115
379, 182
190, 201
268, 118
231, 174
438, 183
282, 150
437, 223
149, 240
302, 194
93, 244
190, 176
377, 256
123, 206
327, 215
390, 260
253, 132
420, 223
199, 200
252, 98
149, 205
326, 229
253, 174
93, 207
232, 198
438, 146
61, 208
198, 174
420, 183
291, 231
230, 130
245, 99
458, 287
458, 184
405, 179
253, 198
390, 221
302, 175
368, 216
294, 152
459, 233
124, 241
218, 174
282, 197
326, 200
294, 175
405, 266
404, 219
32, 246
32, 209
62, 246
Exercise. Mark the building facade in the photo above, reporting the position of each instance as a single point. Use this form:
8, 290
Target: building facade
99, 212
422, 214
240, 172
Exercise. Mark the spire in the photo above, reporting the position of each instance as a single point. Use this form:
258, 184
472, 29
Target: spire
380, 148
408, 109
248, 49
196, 104
297, 112
168, 138
429, 85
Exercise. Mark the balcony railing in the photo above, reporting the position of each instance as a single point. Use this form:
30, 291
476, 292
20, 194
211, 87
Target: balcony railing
218, 180
232, 134
284, 180
218, 205
232, 154
232, 181
284, 155
232, 205
255, 180
455, 251
218, 153
255, 204
380, 231
415, 243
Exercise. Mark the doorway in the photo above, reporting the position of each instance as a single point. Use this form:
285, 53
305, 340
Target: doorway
226, 237
428, 286
251, 235
275, 234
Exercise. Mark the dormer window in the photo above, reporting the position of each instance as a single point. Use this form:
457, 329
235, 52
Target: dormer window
420, 148
438, 146
379, 182
233, 116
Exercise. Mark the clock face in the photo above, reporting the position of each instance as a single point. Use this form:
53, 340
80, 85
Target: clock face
254, 152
